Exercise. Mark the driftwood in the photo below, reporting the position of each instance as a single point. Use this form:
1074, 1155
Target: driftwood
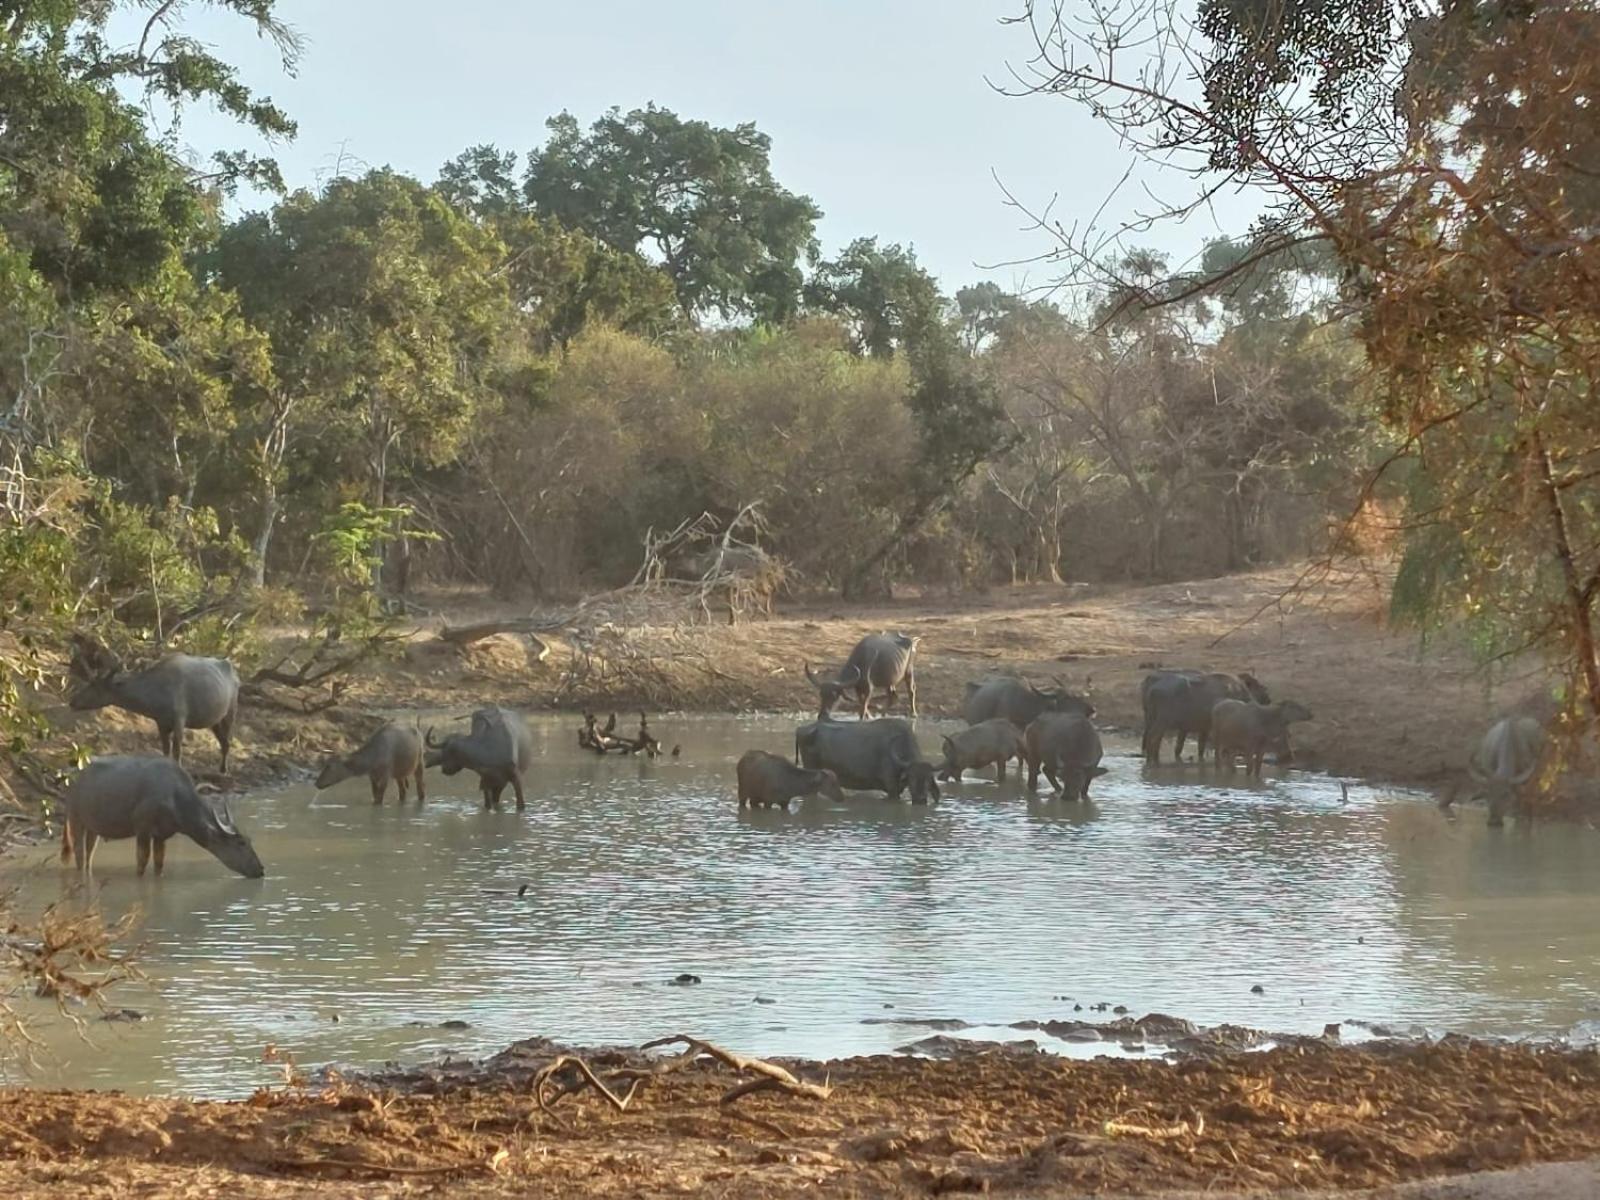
465, 635
569, 1074
605, 741
770, 1076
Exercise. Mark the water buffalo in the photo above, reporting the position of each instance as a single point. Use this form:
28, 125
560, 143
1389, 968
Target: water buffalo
499, 749
994, 742
393, 753
765, 779
1066, 747
1250, 729
1180, 702
880, 662
1506, 759
1018, 701
149, 798
177, 693
868, 756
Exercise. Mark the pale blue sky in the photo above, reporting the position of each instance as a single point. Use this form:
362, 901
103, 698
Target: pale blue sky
878, 109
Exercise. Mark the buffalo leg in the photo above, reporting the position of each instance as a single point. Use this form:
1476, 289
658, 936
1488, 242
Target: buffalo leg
377, 782
166, 741
88, 839
1033, 776
1177, 747
863, 702
144, 853
80, 847
223, 730
1153, 734
177, 743
1000, 771
421, 794
160, 855
401, 787
911, 692
66, 839
516, 786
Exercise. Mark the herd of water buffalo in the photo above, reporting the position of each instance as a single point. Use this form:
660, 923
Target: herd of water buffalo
152, 798
1050, 730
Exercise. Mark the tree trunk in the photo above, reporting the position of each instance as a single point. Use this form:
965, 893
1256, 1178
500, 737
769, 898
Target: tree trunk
1579, 595
269, 519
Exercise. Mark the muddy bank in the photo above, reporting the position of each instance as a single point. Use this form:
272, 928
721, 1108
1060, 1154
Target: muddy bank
1385, 710
1310, 1116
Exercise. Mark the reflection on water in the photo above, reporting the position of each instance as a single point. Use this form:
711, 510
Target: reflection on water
1167, 893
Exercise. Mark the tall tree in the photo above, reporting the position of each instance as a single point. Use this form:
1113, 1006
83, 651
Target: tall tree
888, 301
701, 199
386, 317
561, 279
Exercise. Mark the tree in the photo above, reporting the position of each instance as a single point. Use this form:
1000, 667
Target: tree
887, 300
563, 280
699, 198
1447, 154
387, 322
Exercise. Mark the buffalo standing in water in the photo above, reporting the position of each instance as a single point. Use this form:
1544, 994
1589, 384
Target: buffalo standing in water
151, 799
499, 749
1180, 702
393, 753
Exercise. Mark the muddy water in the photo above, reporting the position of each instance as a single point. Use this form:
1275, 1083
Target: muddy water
813, 932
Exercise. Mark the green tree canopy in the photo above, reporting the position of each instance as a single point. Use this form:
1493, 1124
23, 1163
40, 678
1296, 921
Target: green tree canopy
699, 198
886, 298
561, 279
386, 315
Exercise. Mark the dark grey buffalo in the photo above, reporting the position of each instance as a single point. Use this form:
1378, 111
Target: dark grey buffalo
393, 753
1242, 727
1507, 757
988, 743
151, 799
1018, 701
1180, 702
881, 662
177, 693
766, 779
868, 756
1066, 747
498, 749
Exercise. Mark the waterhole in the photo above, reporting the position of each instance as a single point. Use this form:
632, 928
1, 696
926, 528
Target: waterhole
398, 934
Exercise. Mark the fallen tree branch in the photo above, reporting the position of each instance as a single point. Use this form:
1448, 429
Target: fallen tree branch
465, 635
635, 1080
772, 1075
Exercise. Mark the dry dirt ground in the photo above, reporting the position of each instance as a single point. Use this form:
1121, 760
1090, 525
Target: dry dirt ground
1305, 1118
1387, 708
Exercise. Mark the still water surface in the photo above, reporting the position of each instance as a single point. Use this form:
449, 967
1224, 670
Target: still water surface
1169, 893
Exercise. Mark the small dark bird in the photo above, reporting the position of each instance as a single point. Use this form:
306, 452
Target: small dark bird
677, 750
523, 890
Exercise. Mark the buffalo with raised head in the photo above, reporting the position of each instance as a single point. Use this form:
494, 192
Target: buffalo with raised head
1242, 728
498, 749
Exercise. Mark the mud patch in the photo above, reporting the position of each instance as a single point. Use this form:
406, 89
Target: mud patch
1303, 1116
